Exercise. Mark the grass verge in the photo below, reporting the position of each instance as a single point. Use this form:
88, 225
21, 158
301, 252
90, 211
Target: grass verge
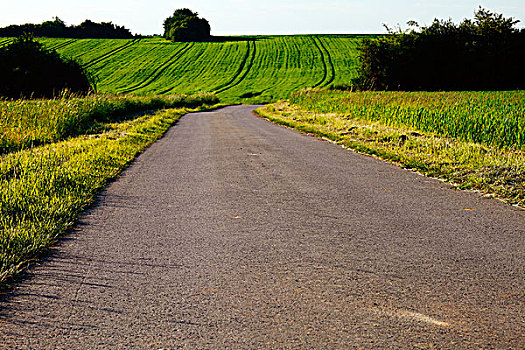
45, 189
491, 170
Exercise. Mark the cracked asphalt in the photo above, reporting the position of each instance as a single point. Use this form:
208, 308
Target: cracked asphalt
235, 233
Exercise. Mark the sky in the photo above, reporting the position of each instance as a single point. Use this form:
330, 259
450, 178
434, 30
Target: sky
238, 17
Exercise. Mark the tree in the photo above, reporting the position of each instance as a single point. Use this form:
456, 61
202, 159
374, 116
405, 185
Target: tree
27, 69
485, 53
56, 28
186, 25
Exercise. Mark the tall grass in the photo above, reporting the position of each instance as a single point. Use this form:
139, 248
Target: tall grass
491, 118
27, 123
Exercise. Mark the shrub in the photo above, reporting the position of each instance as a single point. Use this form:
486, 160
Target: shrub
486, 53
185, 25
27, 69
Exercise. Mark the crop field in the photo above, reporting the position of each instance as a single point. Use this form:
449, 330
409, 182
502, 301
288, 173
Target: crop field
493, 118
238, 69
5, 41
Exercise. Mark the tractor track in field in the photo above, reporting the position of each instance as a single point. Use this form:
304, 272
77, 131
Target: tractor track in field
150, 50
159, 70
239, 74
330, 63
5, 42
202, 69
62, 45
111, 53
250, 65
324, 57
147, 53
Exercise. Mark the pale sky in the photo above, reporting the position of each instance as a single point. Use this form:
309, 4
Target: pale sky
237, 17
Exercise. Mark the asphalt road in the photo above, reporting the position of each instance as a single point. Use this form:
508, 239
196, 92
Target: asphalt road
234, 233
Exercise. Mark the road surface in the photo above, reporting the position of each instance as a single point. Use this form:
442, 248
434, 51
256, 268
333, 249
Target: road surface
234, 233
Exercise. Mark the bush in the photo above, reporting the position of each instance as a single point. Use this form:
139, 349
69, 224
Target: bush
185, 25
27, 69
484, 54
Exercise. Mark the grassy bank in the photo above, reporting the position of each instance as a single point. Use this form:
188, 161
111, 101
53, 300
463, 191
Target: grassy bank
29, 123
44, 189
395, 126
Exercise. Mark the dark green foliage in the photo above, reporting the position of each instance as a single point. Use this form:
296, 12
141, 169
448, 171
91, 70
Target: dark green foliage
89, 29
486, 53
185, 25
27, 69
58, 29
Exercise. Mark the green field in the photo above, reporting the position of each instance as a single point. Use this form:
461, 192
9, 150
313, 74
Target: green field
238, 69
5, 41
493, 118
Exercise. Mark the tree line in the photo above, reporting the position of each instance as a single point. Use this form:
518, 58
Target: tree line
57, 28
486, 53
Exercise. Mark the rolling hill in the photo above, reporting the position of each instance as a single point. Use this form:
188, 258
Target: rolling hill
238, 69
